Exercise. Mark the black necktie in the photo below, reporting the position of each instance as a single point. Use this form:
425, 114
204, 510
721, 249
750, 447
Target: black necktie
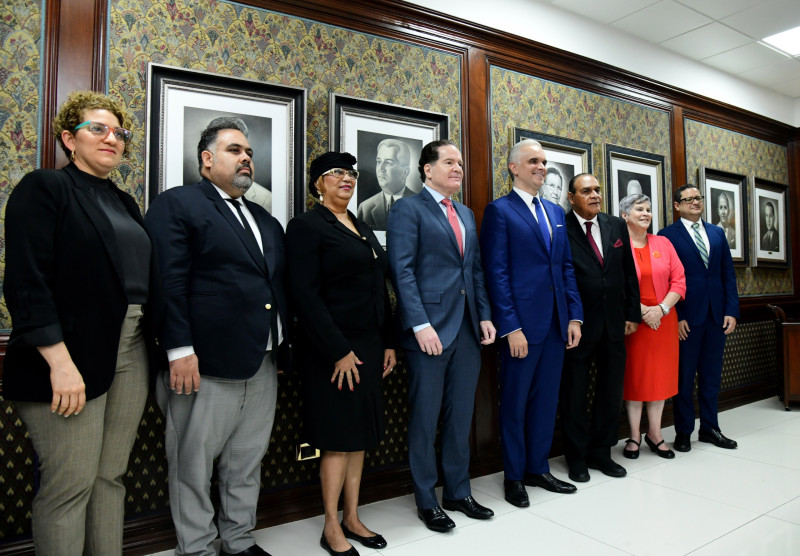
243, 220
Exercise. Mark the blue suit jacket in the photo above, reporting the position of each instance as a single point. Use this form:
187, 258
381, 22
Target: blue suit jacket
219, 291
526, 283
715, 285
431, 279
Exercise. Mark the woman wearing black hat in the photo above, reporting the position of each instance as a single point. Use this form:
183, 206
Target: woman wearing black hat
337, 281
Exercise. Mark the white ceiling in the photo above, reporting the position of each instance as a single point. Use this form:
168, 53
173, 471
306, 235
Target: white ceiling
720, 33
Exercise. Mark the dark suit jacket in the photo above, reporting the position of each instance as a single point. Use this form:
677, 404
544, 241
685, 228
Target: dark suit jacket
219, 291
715, 285
373, 211
526, 283
431, 279
336, 281
63, 281
770, 244
609, 293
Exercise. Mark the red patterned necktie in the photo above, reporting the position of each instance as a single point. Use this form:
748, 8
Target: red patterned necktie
592, 242
453, 219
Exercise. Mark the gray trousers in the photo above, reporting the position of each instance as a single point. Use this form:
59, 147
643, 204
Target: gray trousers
226, 419
80, 505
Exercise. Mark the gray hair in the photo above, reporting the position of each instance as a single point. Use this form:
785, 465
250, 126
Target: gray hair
628, 202
513, 154
403, 150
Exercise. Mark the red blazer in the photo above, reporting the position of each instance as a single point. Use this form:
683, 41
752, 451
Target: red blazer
667, 268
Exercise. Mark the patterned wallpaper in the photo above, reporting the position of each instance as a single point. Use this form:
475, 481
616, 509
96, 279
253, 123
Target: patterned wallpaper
520, 100
20, 56
231, 39
721, 149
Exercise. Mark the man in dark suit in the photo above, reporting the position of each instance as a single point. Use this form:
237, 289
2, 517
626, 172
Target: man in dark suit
706, 316
537, 308
769, 241
392, 166
436, 270
609, 288
222, 263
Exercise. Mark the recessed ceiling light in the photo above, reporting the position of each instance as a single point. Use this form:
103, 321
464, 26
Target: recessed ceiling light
787, 42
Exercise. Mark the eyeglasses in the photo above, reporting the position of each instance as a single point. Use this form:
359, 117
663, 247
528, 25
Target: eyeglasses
690, 200
101, 130
341, 172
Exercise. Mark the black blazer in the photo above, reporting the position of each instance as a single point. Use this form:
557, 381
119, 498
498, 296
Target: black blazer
219, 291
337, 284
609, 293
63, 281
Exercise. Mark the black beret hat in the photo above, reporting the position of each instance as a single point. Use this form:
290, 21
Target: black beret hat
325, 162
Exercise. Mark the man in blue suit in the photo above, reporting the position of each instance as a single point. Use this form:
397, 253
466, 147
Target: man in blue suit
222, 263
706, 316
537, 308
435, 262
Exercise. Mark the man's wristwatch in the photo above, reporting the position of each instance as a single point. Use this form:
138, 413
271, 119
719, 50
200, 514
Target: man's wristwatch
664, 309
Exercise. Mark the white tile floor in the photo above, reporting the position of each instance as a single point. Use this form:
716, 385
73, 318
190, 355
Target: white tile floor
706, 502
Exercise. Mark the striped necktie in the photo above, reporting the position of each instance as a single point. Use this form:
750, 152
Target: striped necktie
701, 245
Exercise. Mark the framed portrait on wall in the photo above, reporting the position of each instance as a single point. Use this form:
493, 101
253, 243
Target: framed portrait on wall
387, 140
565, 159
726, 206
770, 224
182, 103
629, 171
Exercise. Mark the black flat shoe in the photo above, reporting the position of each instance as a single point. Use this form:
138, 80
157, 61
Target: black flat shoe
683, 442
376, 541
606, 466
469, 507
666, 454
516, 495
548, 482
323, 542
254, 550
435, 519
631, 454
717, 439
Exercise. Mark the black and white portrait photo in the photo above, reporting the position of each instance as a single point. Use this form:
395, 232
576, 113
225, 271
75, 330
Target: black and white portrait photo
770, 222
387, 167
633, 183
768, 225
726, 205
632, 172
259, 133
556, 183
723, 211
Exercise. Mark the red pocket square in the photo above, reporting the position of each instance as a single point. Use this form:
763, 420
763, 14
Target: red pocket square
618, 243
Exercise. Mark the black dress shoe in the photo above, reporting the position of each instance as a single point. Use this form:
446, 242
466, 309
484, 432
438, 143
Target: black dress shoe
323, 542
631, 454
435, 519
548, 482
376, 541
666, 454
579, 473
683, 442
469, 507
606, 466
516, 495
254, 550
717, 439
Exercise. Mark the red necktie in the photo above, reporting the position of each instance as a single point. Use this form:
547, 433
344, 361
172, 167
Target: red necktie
592, 242
453, 219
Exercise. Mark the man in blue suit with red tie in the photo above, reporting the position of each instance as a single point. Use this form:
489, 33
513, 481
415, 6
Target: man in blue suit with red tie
706, 316
435, 263
537, 309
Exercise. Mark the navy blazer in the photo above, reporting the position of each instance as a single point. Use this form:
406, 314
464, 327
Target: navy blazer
433, 282
715, 285
526, 283
219, 291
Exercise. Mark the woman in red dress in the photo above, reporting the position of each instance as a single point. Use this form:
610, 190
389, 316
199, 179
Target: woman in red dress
651, 367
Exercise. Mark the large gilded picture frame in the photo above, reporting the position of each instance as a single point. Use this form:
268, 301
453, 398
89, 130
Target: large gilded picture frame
727, 206
631, 171
387, 140
566, 158
181, 103
770, 224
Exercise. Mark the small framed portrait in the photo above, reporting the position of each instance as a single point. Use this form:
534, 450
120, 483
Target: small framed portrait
770, 224
387, 141
726, 206
566, 158
182, 103
629, 172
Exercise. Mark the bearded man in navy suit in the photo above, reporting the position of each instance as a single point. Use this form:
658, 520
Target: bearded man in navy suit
537, 308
